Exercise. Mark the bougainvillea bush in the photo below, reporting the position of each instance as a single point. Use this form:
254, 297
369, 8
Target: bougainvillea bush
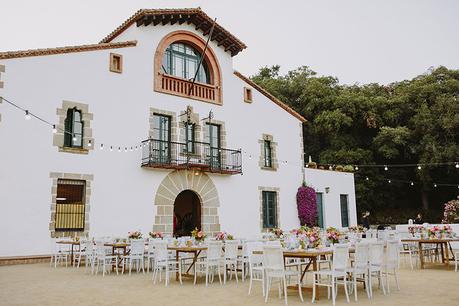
307, 205
451, 212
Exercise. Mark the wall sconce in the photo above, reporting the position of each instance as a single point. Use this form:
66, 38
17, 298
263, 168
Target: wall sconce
327, 189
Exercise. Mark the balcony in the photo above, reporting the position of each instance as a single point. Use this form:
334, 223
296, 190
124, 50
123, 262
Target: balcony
184, 88
190, 156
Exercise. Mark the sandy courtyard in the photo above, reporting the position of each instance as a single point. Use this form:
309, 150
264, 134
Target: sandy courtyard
39, 284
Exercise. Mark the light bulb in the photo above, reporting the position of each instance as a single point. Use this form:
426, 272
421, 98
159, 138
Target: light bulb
27, 115
385, 168
356, 168
54, 129
389, 181
419, 167
101, 146
119, 149
435, 185
74, 138
125, 149
131, 149
89, 143
457, 165
412, 184
111, 148
367, 178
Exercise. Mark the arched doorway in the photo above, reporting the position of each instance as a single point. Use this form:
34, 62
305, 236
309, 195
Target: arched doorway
187, 213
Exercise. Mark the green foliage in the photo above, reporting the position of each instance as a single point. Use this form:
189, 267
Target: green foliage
413, 121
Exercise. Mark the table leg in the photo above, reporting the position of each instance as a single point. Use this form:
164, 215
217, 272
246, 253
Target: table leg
177, 258
442, 252
196, 255
315, 268
71, 255
446, 254
421, 255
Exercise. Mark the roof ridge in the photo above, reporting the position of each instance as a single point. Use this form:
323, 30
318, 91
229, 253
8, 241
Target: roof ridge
270, 96
66, 49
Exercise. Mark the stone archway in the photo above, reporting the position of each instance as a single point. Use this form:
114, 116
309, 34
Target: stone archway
176, 182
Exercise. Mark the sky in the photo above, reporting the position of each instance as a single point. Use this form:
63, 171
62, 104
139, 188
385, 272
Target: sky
357, 41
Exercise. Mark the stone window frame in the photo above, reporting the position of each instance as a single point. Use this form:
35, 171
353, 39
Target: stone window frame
194, 119
274, 161
119, 58
173, 132
205, 135
248, 95
277, 191
86, 117
55, 176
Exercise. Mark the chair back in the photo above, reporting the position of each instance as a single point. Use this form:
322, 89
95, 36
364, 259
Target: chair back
101, 249
273, 258
161, 252
393, 252
151, 246
137, 247
214, 249
362, 255
340, 256
231, 249
88, 247
251, 247
376, 253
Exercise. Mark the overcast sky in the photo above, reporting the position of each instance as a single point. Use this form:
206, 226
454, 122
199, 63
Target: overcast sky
355, 40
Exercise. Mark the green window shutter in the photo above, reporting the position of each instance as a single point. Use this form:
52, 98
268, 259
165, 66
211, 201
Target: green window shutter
320, 209
344, 210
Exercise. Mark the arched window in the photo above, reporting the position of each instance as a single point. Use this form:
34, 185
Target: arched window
182, 60
73, 136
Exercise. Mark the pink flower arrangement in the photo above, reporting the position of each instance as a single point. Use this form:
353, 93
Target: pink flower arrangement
223, 236
135, 235
309, 237
198, 235
434, 231
156, 235
416, 229
306, 203
451, 212
333, 235
278, 233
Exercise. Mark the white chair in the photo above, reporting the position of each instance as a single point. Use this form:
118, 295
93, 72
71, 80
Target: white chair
211, 263
391, 262
256, 272
230, 259
104, 258
59, 253
273, 265
87, 252
360, 266
162, 261
135, 256
409, 249
338, 270
243, 260
376, 265
150, 253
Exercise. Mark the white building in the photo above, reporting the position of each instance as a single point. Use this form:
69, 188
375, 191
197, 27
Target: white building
134, 147
335, 197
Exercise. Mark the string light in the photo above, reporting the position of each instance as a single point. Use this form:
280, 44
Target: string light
419, 167
54, 129
111, 148
89, 143
389, 181
386, 168
435, 185
457, 165
74, 138
119, 149
356, 168
27, 115
101, 146
412, 184
367, 178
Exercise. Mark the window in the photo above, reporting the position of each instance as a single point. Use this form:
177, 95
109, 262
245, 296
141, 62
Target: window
190, 137
267, 154
73, 136
161, 138
116, 63
269, 199
320, 209
214, 142
344, 210
70, 204
182, 60
248, 95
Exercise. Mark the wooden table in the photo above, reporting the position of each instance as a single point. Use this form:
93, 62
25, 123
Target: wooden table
312, 255
196, 250
444, 245
72, 243
118, 245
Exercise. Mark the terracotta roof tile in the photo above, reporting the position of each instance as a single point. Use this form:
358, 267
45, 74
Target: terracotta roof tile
270, 96
69, 49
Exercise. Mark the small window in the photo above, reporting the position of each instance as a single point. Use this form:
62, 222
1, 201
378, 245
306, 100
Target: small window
247, 95
268, 161
320, 209
116, 63
70, 205
344, 210
269, 209
73, 136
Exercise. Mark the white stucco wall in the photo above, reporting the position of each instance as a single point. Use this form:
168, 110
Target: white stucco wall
122, 193
337, 183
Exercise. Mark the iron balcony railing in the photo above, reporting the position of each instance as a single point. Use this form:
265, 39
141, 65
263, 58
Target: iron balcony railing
192, 155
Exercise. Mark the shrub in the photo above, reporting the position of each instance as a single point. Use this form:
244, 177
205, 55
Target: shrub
339, 168
348, 168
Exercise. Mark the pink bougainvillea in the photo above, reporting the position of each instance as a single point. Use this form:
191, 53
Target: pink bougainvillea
307, 205
451, 212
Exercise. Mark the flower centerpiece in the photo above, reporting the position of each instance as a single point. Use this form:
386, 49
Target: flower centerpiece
434, 232
447, 231
356, 229
333, 235
416, 230
277, 232
223, 236
135, 235
156, 235
313, 235
198, 235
